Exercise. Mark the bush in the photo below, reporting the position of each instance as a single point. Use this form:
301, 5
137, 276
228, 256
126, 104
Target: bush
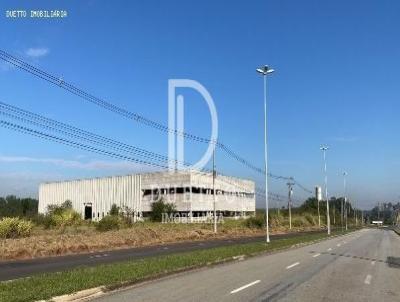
297, 222
43, 220
114, 211
255, 222
68, 217
15, 228
60, 216
110, 222
158, 208
310, 219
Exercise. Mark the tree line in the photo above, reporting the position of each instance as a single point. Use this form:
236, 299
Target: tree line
12, 206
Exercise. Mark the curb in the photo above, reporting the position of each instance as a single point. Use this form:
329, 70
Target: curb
82, 295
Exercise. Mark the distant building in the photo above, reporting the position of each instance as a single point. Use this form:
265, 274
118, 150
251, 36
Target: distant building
191, 192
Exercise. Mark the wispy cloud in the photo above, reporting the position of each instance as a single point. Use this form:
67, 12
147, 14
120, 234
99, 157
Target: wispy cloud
37, 52
89, 165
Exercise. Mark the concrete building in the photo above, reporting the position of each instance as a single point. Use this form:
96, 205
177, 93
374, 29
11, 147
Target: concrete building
191, 192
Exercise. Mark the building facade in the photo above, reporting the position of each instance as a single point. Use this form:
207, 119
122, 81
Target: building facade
190, 191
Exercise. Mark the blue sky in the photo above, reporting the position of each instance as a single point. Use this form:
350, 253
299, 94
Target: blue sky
336, 83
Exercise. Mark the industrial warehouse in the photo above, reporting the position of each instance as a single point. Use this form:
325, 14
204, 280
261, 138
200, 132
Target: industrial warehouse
190, 191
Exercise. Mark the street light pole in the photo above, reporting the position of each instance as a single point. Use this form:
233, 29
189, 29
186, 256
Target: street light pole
345, 198
328, 219
265, 70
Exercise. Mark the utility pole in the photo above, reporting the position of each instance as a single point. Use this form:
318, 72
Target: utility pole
362, 217
342, 214
319, 215
265, 70
290, 187
334, 214
214, 196
345, 198
328, 219
355, 214
318, 195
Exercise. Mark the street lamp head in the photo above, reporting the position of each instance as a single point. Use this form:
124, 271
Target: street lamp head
324, 148
265, 70
344, 173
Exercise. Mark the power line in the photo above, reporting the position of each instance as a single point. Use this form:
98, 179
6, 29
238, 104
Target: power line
58, 81
70, 143
24, 116
82, 135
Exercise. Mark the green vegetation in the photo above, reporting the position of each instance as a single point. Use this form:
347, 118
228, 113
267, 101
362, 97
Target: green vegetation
11, 206
114, 211
158, 208
115, 220
14, 227
61, 216
45, 286
387, 212
255, 222
108, 223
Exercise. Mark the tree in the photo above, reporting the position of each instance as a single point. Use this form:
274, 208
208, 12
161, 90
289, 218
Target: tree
114, 211
12, 206
158, 208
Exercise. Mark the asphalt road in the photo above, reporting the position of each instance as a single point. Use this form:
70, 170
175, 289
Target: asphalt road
17, 269
361, 266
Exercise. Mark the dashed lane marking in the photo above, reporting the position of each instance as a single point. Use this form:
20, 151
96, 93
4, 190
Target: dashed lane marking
293, 265
244, 287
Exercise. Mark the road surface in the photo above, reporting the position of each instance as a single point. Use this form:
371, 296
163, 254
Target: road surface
361, 266
23, 268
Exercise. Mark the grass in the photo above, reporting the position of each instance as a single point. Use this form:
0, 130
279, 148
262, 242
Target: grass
85, 238
45, 286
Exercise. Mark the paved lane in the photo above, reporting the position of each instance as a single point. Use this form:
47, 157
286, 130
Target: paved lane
361, 266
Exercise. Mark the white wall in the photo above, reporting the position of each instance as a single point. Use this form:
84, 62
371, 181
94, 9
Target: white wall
127, 191
100, 192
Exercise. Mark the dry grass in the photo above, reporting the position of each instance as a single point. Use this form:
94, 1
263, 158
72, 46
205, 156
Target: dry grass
85, 239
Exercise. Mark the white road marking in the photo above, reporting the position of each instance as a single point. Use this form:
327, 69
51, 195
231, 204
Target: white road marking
292, 265
329, 249
338, 244
316, 255
368, 279
244, 286
372, 262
